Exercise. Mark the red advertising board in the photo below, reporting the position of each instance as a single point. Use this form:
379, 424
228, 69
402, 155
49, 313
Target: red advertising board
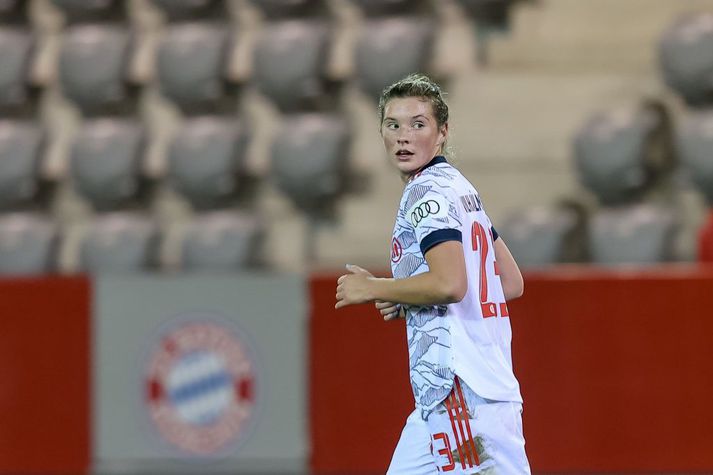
45, 367
616, 369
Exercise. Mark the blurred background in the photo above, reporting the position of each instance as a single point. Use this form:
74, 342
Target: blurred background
182, 181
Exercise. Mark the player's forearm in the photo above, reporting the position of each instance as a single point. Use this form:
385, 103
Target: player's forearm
422, 289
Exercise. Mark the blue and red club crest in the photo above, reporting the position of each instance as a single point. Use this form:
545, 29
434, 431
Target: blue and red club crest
200, 386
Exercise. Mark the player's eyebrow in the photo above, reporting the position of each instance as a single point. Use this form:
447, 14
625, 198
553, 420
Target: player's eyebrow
412, 118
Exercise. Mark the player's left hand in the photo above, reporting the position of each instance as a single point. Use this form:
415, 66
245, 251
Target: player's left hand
354, 288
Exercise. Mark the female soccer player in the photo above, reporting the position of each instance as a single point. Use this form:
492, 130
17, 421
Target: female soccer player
452, 277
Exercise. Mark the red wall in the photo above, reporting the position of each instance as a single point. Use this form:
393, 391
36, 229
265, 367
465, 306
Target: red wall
616, 369
45, 387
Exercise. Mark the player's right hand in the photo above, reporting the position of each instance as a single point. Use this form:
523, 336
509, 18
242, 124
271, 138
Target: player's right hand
390, 310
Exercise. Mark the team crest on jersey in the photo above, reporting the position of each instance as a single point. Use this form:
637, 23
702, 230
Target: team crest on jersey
435, 206
397, 250
201, 386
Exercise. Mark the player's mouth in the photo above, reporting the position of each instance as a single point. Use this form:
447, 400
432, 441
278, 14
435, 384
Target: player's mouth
403, 154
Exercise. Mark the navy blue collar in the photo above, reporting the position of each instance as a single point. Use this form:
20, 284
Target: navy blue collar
435, 161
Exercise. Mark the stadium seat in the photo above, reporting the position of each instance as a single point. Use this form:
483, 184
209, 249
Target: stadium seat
615, 155
632, 234
93, 65
540, 236
290, 61
28, 244
106, 161
389, 49
21, 147
695, 146
190, 9
16, 49
373, 8
192, 62
686, 57
220, 241
280, 9
206, 157
309, 158
120, 242
91, 10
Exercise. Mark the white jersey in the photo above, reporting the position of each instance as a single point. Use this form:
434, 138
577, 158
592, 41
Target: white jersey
470, 338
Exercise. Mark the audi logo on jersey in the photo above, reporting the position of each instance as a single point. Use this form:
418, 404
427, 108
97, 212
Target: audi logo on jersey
424, 209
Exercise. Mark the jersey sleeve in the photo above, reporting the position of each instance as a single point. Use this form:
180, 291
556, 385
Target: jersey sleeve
432, 212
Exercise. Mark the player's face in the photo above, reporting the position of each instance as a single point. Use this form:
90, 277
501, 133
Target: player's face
411, 134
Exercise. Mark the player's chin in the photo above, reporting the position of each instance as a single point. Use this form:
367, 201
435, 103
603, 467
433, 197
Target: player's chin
406, 167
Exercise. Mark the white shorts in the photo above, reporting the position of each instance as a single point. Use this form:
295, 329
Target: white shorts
463, 434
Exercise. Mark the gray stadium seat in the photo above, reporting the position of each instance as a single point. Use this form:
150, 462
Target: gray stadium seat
206, 157
277, 9
611, 154
686, 57
695, 147
538, 236
93, 65
16, 48
309, 157
106, 161
390, 48
90, 10
289, 62
21, 146
632, 234
190, 9
192, 62
28, 244
120, 242
220, 241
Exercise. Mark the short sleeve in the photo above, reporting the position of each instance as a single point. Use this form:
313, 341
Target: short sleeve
433, 215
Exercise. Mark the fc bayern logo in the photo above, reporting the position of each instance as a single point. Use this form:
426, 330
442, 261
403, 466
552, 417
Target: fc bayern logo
200, 386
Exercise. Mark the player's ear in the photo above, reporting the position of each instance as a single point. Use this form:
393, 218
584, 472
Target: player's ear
442, 134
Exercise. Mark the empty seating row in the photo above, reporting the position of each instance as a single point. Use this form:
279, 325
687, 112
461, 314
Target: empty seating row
129, 242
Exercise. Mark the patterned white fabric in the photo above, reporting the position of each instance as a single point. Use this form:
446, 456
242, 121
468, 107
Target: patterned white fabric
470, 338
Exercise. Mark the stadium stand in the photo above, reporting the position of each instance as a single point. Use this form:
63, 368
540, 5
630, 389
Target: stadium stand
620, 154
695, 148
17, 45
640, 233
120, 242
106, 161
21, 148
191, 64
309, 158
542, 235
222, 240
389, 48
93, 66
686, 57
289, 64
28, 243
206, 159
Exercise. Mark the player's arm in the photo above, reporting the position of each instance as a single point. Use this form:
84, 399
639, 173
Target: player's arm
445, 282
510, 275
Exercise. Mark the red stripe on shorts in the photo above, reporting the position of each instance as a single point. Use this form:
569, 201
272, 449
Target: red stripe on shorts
471, 441
449, 406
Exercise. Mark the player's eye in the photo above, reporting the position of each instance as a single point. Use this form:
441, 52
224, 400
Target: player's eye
392, 125
418, 125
